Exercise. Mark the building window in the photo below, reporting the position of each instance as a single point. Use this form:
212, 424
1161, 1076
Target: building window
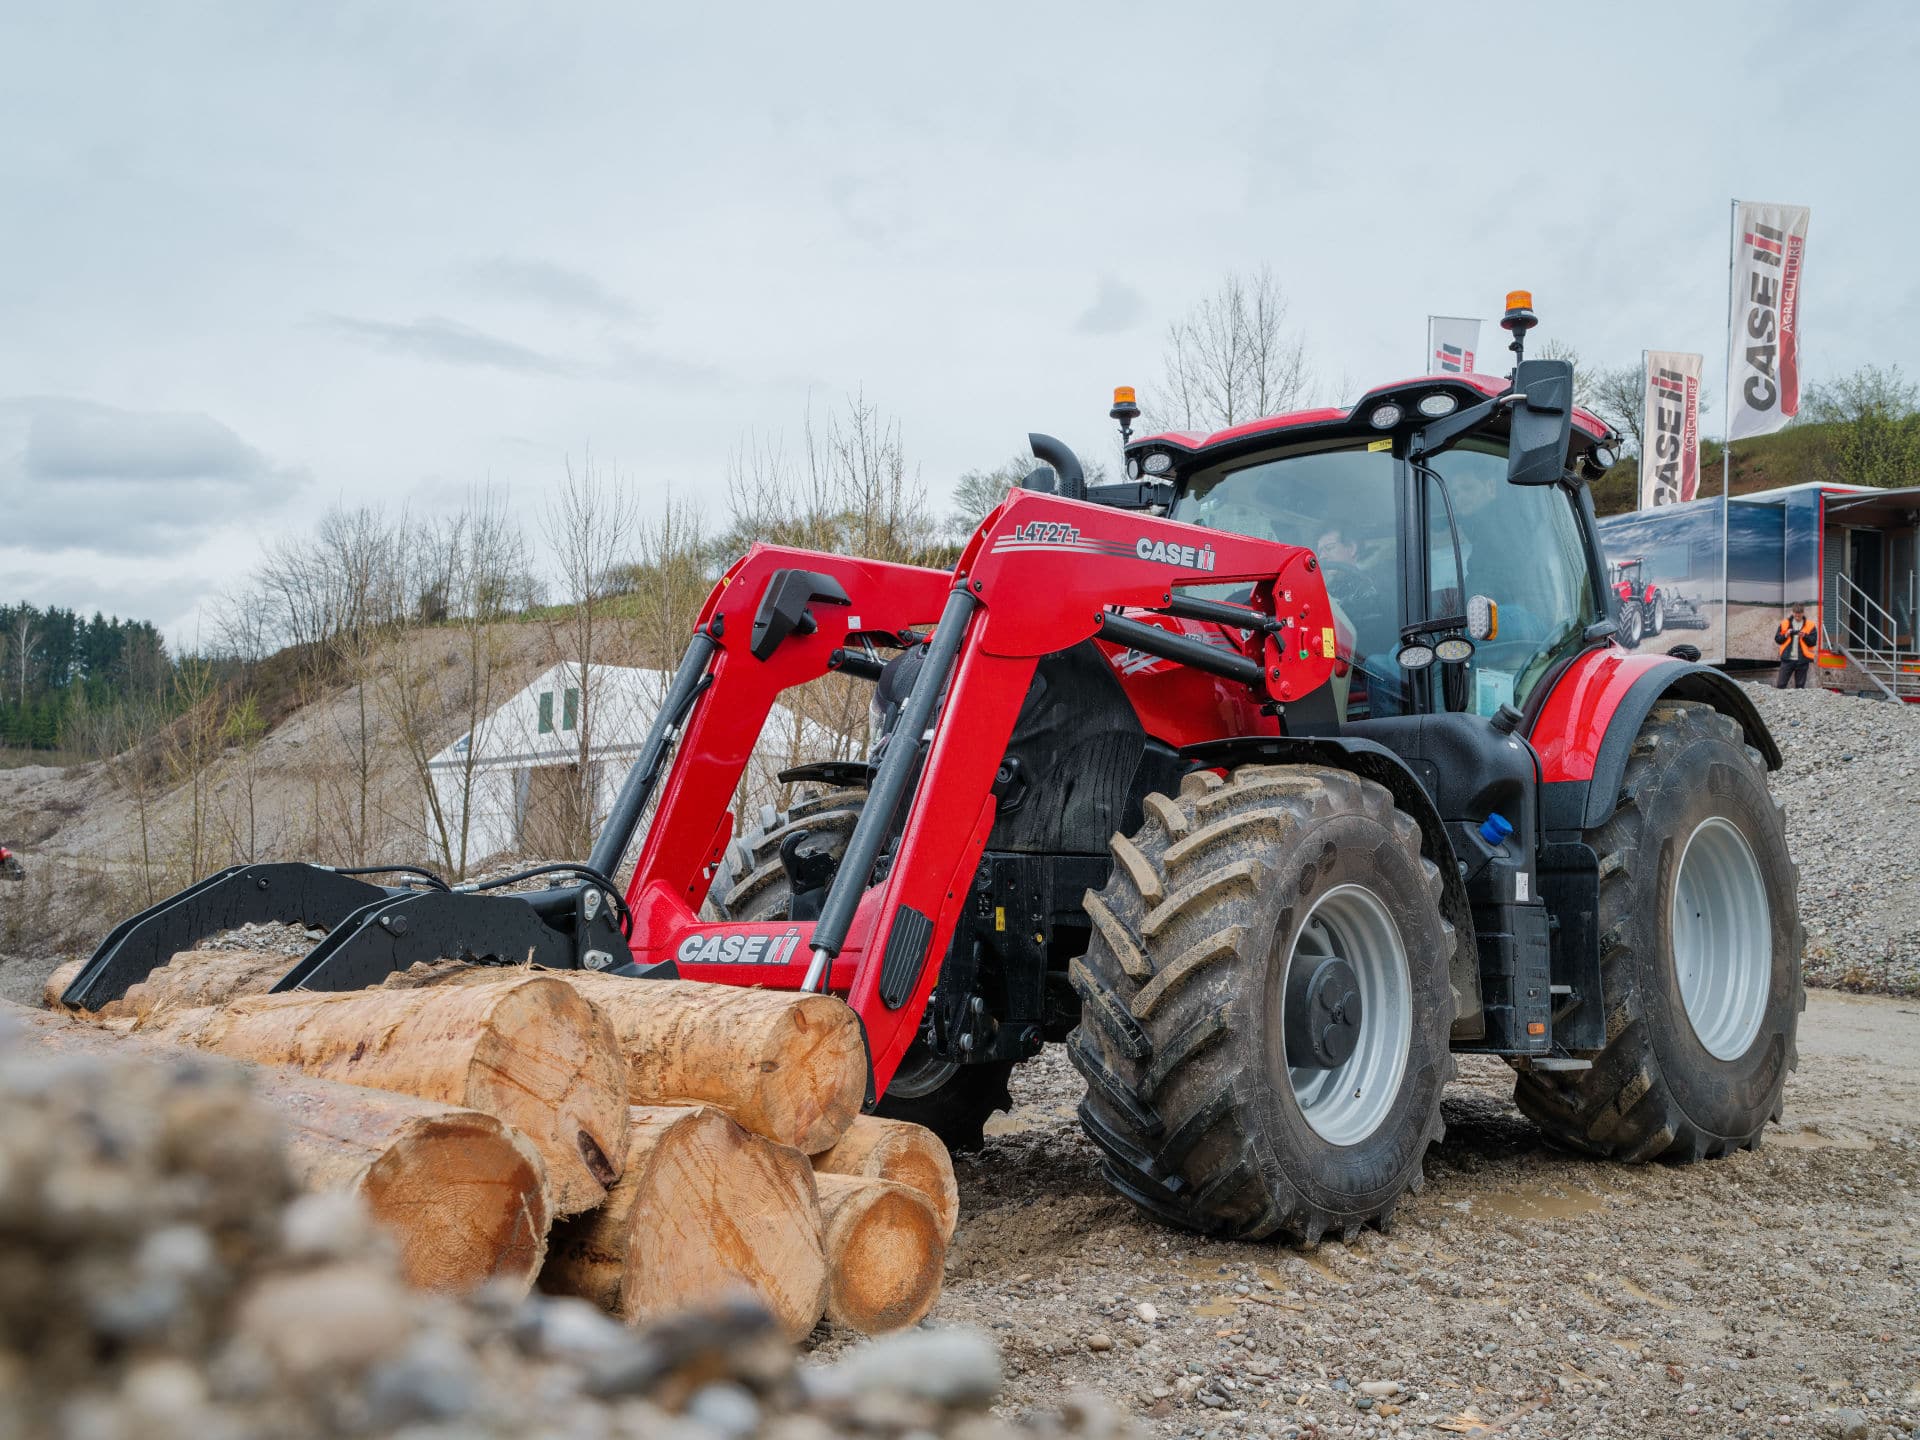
570, 715
546, 712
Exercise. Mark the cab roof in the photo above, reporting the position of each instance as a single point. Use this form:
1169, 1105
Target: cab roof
1470, 389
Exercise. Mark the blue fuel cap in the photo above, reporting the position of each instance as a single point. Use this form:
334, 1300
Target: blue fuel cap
1495, 829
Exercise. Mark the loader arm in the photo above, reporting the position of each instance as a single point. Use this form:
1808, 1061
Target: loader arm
1041, 574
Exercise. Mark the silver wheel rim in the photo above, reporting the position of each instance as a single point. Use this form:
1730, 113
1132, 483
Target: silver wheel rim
921, 1076
1346, 1104
1722, 938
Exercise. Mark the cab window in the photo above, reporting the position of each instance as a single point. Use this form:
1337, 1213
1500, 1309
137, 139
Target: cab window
1521, 546
1340, 503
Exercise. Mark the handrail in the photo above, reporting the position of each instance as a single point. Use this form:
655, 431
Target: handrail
1881, 645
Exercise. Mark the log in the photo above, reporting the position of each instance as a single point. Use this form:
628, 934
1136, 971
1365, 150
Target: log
701, 1209
202, 977
901, 1151
462, 1195
788, 1066
530, 1051
64, 975
885, 1254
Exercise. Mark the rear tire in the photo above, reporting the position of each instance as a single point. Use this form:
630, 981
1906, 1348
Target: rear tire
954, 1101
1184, 1040
1700, 951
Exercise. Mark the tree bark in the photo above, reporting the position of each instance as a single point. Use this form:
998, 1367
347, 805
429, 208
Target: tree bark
530, 1051
201, 977
702, 1208
462, 1195
901, 1151
885, 1254
788, 1066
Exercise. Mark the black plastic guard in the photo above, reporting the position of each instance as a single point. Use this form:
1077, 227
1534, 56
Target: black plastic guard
397, 932
242, 895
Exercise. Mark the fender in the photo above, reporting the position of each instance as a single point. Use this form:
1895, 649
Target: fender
1373, 761
1586, 729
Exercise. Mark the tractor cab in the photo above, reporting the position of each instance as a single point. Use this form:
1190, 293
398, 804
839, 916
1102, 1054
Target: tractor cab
1448, 518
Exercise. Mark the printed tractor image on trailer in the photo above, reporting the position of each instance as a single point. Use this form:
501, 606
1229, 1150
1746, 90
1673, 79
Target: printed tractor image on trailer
1265, 780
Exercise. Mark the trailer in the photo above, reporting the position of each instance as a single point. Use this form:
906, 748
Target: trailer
1849, 554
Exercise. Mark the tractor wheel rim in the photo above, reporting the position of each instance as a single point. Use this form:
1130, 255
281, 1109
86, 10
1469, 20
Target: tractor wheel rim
1348, 1103
921, 1073
1722, 938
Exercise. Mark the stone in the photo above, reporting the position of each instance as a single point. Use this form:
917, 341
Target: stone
434, 1378
1147, 1313
955, 1368
1380, 1389
339, 1317
1099, 1343
726, 1410
1848, 1424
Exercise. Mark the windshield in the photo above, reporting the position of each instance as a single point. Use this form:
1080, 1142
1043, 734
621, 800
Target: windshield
1341, 504
1520, 545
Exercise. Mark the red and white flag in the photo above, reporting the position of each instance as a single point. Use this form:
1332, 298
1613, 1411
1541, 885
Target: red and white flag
1451, 342
1670, 429
1763, 346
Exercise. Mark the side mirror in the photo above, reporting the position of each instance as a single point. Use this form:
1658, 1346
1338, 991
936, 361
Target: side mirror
1542, 422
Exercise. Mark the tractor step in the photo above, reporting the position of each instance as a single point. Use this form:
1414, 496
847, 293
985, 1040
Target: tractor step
1557, 1062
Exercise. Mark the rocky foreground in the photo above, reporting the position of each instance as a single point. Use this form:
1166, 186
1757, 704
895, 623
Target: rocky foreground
160, 1277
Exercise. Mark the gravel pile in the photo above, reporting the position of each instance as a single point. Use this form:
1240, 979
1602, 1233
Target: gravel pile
1851, 785
160, 1279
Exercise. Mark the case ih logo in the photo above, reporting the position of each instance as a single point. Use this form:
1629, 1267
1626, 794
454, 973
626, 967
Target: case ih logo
1187, 557
736, 949
1454, 359
1675, 437
1773, 302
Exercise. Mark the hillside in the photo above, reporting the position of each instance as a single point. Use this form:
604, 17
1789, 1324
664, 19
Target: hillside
1765, 462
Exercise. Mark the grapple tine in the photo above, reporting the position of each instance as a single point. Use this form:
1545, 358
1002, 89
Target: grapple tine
241, 895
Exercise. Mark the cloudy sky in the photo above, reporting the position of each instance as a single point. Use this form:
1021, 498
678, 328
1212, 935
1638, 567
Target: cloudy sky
256, 258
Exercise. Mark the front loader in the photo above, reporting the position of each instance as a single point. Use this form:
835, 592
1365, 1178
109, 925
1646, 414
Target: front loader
1266, 780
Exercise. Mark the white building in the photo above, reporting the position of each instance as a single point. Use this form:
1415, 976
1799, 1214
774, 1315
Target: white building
522, 761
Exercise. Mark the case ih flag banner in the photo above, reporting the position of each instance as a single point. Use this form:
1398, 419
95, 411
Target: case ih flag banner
1763, 348
1451, 342
1670, 410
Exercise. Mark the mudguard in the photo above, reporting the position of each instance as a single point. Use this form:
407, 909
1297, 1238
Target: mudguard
1585, 729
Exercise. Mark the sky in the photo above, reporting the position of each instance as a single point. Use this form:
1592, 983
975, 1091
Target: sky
260, 258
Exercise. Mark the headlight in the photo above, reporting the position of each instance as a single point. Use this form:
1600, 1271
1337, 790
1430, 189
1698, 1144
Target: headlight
1438, 404
1159, 464
1453, 650
1415, 656
1384, 417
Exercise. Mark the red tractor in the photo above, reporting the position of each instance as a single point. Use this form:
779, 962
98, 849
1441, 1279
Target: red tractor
1643, 609
1265, 780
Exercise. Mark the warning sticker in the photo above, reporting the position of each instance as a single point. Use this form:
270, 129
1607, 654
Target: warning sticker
1326, 641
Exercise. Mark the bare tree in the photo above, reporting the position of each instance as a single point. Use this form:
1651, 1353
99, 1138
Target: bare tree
475, 568
24, 634
1615, 395
590, 527
1232, 358
978, 491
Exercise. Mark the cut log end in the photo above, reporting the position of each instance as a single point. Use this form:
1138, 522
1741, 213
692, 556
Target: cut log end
702, 1210
901, 1151
885, 1254
63, 976
466, 1201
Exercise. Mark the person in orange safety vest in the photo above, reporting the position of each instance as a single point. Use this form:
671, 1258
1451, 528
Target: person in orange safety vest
1796, 638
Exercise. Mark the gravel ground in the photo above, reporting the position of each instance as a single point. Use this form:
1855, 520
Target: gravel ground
1523, 1291
1851, 785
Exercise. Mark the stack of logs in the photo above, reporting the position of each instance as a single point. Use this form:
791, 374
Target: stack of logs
646, 1145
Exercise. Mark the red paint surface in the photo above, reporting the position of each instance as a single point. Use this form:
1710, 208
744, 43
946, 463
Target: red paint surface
1572, 725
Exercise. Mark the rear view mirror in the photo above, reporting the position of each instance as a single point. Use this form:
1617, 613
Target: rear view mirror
1542, 422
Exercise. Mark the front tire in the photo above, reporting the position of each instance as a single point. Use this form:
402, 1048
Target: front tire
1700, 939
1266, 1006
1633, 624
1659, 621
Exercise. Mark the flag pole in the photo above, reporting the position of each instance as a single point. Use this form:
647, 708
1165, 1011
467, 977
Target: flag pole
1726, 429
1640, 467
